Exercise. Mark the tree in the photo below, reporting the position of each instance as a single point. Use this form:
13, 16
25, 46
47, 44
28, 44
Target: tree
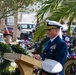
65, 11
57, 10
9, 7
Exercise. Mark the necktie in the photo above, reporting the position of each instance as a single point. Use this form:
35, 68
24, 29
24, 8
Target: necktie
49, 43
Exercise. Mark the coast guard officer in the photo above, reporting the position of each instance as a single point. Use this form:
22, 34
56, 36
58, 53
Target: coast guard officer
55, 48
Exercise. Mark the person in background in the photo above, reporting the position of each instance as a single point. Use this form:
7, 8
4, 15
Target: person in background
55, 48
66, 38
30, 36
74, 38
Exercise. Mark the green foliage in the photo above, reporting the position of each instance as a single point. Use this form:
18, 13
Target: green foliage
3, 49
39, 32
18, 49
11, 6
64, 11
48, 6
28, 2
75, 29
58, 10
41, 44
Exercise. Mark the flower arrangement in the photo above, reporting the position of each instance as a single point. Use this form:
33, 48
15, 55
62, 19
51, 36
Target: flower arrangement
8, 48
18, 49
3, 49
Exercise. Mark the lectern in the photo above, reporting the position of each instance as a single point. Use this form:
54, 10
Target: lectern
24, 62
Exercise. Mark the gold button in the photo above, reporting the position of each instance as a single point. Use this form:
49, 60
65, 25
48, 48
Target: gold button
50, 52
44, 53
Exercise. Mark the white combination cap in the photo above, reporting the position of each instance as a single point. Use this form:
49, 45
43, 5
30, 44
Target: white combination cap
53, 24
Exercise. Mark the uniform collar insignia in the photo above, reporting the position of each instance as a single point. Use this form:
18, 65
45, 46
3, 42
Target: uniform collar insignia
53, 47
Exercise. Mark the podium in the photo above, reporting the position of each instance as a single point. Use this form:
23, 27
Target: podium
25, 63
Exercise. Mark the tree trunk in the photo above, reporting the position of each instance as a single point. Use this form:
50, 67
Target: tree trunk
2, 24
15, 27
20, 18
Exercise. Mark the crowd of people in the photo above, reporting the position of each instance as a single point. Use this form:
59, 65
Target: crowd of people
25, 42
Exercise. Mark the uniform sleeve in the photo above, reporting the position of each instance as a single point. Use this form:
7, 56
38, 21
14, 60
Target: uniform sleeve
61, 53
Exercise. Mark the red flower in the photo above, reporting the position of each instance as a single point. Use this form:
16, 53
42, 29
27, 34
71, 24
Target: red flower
72, 57
68, 58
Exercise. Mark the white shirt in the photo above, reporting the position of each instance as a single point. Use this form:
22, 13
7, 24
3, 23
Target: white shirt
53, 39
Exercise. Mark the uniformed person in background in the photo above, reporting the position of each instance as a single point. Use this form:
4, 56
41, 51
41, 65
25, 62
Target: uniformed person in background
66, 38
55, 48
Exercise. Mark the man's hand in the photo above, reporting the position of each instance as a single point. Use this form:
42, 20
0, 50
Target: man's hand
37, 56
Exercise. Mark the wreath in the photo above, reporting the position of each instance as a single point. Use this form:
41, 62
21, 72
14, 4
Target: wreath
18, 49
3, 49
68, 66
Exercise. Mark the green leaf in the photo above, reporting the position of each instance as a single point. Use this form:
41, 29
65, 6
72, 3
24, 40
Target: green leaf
39, 33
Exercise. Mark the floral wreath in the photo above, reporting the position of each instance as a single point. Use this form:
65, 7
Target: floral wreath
68, 64
3, 49
18, 49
